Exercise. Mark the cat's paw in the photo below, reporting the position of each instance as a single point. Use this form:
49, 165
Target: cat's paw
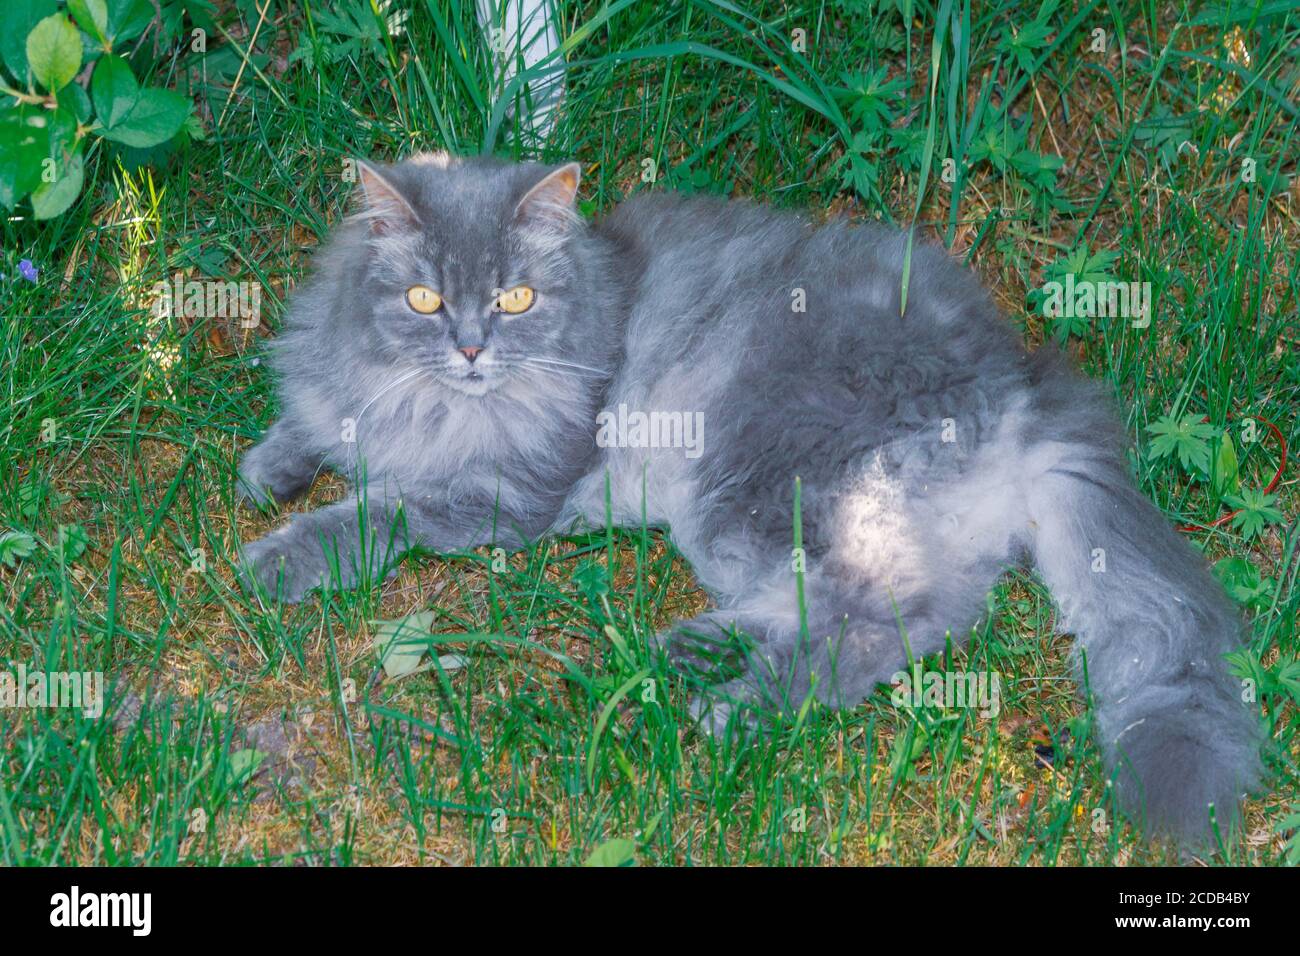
700, 642
287, 564
266, 477
723, 706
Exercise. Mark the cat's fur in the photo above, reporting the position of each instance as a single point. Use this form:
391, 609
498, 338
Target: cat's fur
933, 450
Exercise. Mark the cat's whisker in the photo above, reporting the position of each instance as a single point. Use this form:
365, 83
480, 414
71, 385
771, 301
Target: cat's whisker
577, 377
389, 387
415, 373
534, 361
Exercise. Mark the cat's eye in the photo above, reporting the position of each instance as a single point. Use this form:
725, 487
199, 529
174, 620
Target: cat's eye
423, 299
516, 300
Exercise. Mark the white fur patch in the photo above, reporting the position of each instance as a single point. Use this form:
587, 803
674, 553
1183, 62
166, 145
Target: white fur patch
874, 530
437, 159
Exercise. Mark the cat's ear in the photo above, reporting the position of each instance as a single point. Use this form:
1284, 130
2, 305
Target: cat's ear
385, 207
551, 201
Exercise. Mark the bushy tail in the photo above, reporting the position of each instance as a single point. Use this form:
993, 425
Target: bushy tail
1153, 626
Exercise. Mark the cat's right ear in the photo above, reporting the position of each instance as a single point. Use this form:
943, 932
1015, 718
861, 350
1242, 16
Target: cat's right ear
385, 208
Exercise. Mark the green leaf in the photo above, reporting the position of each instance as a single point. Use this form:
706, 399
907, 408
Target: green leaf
114, 90
859, 167
74, 99
1085, 266
157, 116
24, 143
1255, 510
16, 545
54, 52
604, 717
1185, 437
402, 643
1022, 43
904, 752
870, 97
620, 645
592, 578
62, 127
20, 17
91, 16
651, 827
30, 495
243, 764
616, 852
52, 199
72, 541
1163, 132
1251, 12
193, 128
1291, 825
1226, 466
997, 145
909, 142
1288, 678
127, 19
1038, 169
1242, 581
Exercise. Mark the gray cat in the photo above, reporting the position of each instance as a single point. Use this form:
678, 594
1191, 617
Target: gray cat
485, 366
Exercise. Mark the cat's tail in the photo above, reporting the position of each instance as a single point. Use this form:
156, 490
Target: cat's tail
1153, 628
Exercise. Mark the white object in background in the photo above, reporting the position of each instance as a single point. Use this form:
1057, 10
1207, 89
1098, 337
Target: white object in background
520, 34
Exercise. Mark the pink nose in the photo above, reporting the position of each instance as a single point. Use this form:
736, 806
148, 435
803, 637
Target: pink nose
470, 353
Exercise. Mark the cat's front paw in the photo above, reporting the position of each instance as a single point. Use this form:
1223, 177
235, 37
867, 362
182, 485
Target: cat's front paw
269, 474
731, 706
286, 563
701, 642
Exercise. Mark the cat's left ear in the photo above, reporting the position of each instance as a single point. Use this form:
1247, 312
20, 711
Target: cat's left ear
552, 199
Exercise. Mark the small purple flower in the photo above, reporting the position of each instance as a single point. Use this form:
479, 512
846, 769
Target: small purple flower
29, 271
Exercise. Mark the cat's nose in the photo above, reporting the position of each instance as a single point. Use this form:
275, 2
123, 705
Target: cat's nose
470, 352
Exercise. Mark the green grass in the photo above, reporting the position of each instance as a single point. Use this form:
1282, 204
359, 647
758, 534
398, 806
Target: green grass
544, 746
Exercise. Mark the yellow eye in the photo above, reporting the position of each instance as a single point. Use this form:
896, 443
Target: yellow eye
423, 299
516, 300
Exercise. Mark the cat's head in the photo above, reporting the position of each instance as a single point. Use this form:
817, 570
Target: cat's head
472, 269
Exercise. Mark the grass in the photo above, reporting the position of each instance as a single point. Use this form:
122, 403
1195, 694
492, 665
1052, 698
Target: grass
540, 730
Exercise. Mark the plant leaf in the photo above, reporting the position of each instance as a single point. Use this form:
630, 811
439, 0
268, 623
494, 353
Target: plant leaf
157, 116
402, 643
113, 89
52, 199
72, 541
54, 52
127, 19
91, 16
20, 17
1255, 510
243, 764
616, 852
1186, 437
16, 545
1242, 580
1226, 466
24, 143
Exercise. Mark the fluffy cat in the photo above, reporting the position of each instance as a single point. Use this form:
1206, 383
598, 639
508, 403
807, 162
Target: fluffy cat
464, 336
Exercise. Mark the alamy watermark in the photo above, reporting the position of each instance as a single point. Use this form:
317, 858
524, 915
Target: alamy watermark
83, 690
637, 429
209, 299
1103, 299
948, 689
75, 908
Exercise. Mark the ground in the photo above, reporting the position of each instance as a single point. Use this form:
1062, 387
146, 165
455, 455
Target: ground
1127, 140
